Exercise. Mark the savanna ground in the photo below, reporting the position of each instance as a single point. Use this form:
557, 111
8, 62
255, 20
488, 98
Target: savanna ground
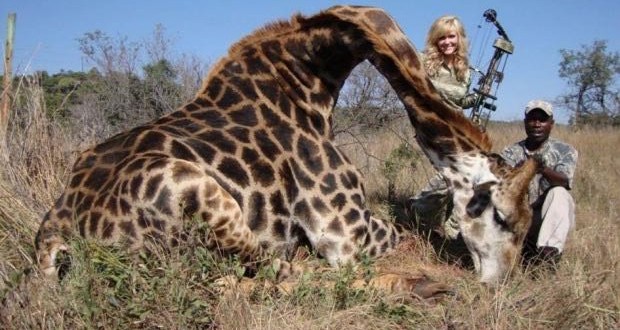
108, 289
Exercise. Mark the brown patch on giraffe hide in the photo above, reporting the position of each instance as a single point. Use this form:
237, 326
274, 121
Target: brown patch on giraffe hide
381, 23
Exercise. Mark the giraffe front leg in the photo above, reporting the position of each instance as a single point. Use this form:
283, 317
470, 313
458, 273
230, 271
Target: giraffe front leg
228, 232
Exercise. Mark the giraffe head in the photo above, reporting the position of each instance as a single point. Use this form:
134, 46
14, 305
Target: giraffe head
493, 214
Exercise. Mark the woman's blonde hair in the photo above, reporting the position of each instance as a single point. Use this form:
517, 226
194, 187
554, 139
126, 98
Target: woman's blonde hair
433, 57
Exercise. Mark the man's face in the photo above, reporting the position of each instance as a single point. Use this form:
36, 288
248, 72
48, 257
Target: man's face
538, 125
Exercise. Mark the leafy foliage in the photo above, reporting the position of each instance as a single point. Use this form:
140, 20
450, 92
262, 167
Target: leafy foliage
594, 97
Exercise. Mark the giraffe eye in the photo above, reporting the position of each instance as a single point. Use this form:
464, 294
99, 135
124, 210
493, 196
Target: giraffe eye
479, 203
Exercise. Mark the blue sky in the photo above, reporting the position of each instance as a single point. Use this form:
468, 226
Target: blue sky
46, 31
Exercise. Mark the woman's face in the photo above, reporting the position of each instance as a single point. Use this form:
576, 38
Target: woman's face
448, 43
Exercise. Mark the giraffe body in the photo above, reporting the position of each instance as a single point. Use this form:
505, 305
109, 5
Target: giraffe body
252, 155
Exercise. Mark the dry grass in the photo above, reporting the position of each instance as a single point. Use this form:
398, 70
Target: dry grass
175, 290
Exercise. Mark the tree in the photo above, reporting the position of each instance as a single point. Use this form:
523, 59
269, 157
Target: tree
367, 101
593, 97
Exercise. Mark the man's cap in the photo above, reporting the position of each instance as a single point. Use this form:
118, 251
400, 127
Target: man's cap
539, 104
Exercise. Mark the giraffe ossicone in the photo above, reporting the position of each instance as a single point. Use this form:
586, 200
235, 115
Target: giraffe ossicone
252, 156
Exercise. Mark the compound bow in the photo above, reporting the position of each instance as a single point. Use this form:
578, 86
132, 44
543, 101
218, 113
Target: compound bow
486, 89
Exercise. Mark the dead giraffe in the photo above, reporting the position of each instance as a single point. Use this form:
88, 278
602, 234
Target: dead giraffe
252, 156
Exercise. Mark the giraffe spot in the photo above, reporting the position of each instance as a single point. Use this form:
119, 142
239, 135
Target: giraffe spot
288, 181
212, 118
112, 206
284, 104
214, 87
246, 116
76, 180
345, 179
254, 64
271, 118
277, 204
359, 233
380, 235
93, 224
301, 118
127, 227
219, 140
231, 168
230, 98
203, 150
278, 230
245, 86
302, 210
284, 135
249, 156
384, 247
352, 216
373, 251
319, 206
335, 227
328, 184
114, 157
163, 120
124, 206
310, 155
262, 173
184, 171
339, 201
119, 141
162, 203
82, 226
157, 164
381, 22
97, 178
154, 237
269, 89
180, 151
221, 222
333, 156
191, 107
347, 249
152, 185
301, 177
187, 125
172, 130
353, 179
134, 186
107, 229
242, 134
151, 141
272, 49
257, 217
135, 165
268, 148
189, 201
358, 200
203, 102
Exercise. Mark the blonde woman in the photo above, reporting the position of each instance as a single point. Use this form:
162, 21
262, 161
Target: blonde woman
446, 61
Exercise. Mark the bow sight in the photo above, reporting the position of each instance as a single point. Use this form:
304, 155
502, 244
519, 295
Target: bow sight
489, 81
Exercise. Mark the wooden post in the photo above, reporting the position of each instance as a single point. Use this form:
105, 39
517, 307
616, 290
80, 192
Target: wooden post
8, 74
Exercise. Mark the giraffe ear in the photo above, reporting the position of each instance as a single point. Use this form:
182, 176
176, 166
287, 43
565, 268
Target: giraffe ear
518, 179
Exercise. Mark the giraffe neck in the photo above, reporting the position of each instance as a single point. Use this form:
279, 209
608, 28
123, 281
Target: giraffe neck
299, 67
455, 146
